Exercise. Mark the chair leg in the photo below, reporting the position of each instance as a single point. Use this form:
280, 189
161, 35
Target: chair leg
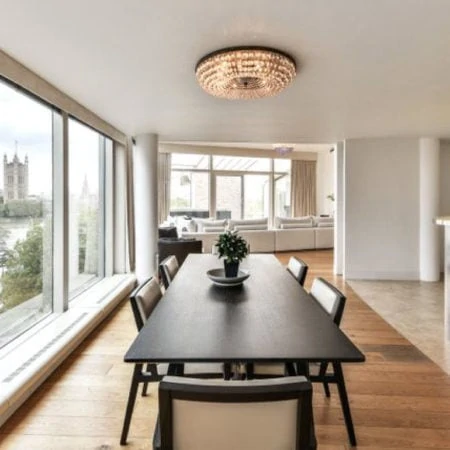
302, 368
344, 402
144, 388
322, 373
227, 371
289, 369
131, 401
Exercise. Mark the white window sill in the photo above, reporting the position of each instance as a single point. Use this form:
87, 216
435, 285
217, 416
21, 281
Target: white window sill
26, 362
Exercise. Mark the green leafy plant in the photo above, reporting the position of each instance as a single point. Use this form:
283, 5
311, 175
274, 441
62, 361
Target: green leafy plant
231, 246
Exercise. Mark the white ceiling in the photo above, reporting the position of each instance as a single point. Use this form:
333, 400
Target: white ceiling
367, 67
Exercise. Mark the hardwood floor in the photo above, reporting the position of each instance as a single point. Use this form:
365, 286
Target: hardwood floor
399, 398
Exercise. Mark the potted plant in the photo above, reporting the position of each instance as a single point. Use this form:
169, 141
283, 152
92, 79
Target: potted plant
233, 248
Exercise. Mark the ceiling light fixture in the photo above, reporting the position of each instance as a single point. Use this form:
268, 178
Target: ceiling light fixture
245, 72
283, 150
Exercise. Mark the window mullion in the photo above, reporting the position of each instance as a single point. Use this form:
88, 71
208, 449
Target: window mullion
60, 213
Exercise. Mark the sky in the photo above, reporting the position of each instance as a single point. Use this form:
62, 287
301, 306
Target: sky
27, 124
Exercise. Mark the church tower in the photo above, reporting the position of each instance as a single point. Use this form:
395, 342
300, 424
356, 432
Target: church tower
15, 178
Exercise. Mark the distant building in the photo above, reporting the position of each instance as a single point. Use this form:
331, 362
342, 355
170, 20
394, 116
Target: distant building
15, 179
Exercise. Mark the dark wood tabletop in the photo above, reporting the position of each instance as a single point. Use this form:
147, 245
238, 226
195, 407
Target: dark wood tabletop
269, 318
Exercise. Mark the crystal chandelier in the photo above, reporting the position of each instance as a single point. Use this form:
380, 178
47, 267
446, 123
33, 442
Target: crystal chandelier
245, 72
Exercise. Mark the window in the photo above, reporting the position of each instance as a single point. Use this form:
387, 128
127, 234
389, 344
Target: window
34, 220
235, 187
256, 196
189, 185
25, 224
189, 191
242, 164
282, 191
182, 161
86, 153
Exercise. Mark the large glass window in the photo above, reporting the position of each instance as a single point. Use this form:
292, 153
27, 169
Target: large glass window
242, 164
282, 191
25, 212
229, 197
256, 196
241, 187
182, 161
86, 153
189, 192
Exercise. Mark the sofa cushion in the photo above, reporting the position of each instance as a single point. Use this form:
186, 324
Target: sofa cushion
290, 226
294, 239
201, 223
320, 221
208, 229
260, 241
247, 222
324, 237
305, 220
250, 227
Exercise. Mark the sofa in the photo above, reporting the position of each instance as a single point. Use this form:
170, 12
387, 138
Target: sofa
288, 234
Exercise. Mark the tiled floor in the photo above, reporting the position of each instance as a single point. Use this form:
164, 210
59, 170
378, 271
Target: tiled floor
415, 309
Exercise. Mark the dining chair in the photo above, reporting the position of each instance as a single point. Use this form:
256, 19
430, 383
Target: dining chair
221, 415
144, 300
168, 268
298, 269
332, 300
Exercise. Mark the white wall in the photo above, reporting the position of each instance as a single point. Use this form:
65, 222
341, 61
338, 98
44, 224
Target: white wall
325, 182
444, 207
381, 209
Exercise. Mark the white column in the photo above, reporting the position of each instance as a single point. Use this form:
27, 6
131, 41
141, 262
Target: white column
429, 209
145, 163
339, 208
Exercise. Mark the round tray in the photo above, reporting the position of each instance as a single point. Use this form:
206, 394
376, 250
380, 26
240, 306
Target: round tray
217, 276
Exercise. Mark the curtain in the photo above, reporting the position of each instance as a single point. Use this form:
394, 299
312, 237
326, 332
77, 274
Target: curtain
303, 188
164, 167
130, 207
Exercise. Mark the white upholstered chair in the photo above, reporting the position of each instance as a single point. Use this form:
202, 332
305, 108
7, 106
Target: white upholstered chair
298, 269
332, 300
197, 414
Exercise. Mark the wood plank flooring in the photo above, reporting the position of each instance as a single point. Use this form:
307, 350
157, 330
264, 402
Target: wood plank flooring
399, 398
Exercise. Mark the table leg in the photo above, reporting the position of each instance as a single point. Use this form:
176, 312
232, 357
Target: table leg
302, 368
322, 374
337, 367
131, 400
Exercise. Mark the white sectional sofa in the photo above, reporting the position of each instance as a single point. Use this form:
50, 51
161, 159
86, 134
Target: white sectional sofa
305, 233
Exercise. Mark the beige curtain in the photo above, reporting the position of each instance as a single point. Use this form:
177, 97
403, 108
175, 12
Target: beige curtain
303, 188
130, 207
164, 163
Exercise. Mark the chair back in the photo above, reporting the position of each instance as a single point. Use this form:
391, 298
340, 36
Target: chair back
168, 268
298, 269
144, 299
199, 414
330, 298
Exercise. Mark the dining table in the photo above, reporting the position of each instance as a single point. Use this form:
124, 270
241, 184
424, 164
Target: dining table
269, 318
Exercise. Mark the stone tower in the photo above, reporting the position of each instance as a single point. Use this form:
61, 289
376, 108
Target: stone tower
15, 178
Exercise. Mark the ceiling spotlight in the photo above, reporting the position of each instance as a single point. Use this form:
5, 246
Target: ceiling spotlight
283, 150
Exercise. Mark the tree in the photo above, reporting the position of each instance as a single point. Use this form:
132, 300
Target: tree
4, 252
22, 279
